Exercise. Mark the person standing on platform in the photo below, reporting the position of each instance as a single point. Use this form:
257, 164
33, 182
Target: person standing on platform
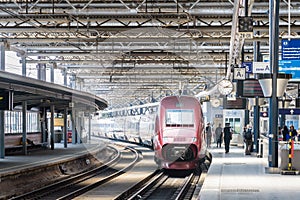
219, 135
285, 133
293, 131
208, 134
248, 139
227, 136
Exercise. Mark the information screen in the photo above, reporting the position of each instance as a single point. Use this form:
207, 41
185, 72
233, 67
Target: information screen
239, 103
252, 88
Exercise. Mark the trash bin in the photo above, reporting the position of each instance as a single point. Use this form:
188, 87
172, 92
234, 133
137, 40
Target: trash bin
284, 155
58, 136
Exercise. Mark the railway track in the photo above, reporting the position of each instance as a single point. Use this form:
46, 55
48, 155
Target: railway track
171, 185
162, 185
74, 186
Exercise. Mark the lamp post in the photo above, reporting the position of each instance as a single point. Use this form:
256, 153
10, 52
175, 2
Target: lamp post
269, 83
273, 43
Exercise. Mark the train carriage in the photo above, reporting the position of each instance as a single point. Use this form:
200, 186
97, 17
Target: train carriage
174, 127
179, 133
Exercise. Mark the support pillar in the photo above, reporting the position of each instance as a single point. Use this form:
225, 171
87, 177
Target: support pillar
52, 127
73, 81
44, 127
65, 127
41, 72
52, 74
256, 117
247, 117
256, 130
2, 135
65, 77
80, 129
90, 126
24, 127
2, 56
23, 66
74, 132
273, 117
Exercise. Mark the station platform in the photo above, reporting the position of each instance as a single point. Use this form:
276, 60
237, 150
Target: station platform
23, 173
14, 164
238, 176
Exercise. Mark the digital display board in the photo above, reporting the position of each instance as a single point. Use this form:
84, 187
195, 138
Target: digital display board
239, 103
252, 88
249, 88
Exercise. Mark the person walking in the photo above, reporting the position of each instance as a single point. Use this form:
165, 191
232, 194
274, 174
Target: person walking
219, 135
248, 139
208, 134
227, 136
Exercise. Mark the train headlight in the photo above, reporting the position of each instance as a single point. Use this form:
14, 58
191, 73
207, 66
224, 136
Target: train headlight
194, 139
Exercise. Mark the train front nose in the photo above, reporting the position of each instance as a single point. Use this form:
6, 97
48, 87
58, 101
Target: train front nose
179, 152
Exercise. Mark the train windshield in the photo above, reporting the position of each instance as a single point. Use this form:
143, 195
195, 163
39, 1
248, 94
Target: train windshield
179, 117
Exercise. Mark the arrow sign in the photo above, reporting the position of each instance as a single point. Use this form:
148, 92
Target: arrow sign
289, 111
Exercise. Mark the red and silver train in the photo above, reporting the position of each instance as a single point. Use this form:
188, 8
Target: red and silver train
179, 133
174, 128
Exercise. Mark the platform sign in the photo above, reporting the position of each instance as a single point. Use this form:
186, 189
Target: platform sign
58, 121
264, 114
239, 73
290, 49
261, 68
290, 67
248, 66
289, 111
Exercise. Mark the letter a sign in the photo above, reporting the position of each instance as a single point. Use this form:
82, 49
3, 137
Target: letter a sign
239, 73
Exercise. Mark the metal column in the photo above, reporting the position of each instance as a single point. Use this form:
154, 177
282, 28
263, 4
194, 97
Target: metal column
80, 129
41, 72
65, 77
24, 127
273, 117
2, 135
52, 127
90, 126
2, 56
256, 117
73, 81
52, 74
23, 66
44, 127
74, 132
65, 127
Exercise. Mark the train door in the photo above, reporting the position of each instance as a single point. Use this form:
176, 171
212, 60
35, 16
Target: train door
236, 120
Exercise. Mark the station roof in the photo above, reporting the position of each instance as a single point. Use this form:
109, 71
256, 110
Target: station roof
130, 52
39, 94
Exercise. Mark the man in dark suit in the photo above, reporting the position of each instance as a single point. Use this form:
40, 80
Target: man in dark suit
227, 136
